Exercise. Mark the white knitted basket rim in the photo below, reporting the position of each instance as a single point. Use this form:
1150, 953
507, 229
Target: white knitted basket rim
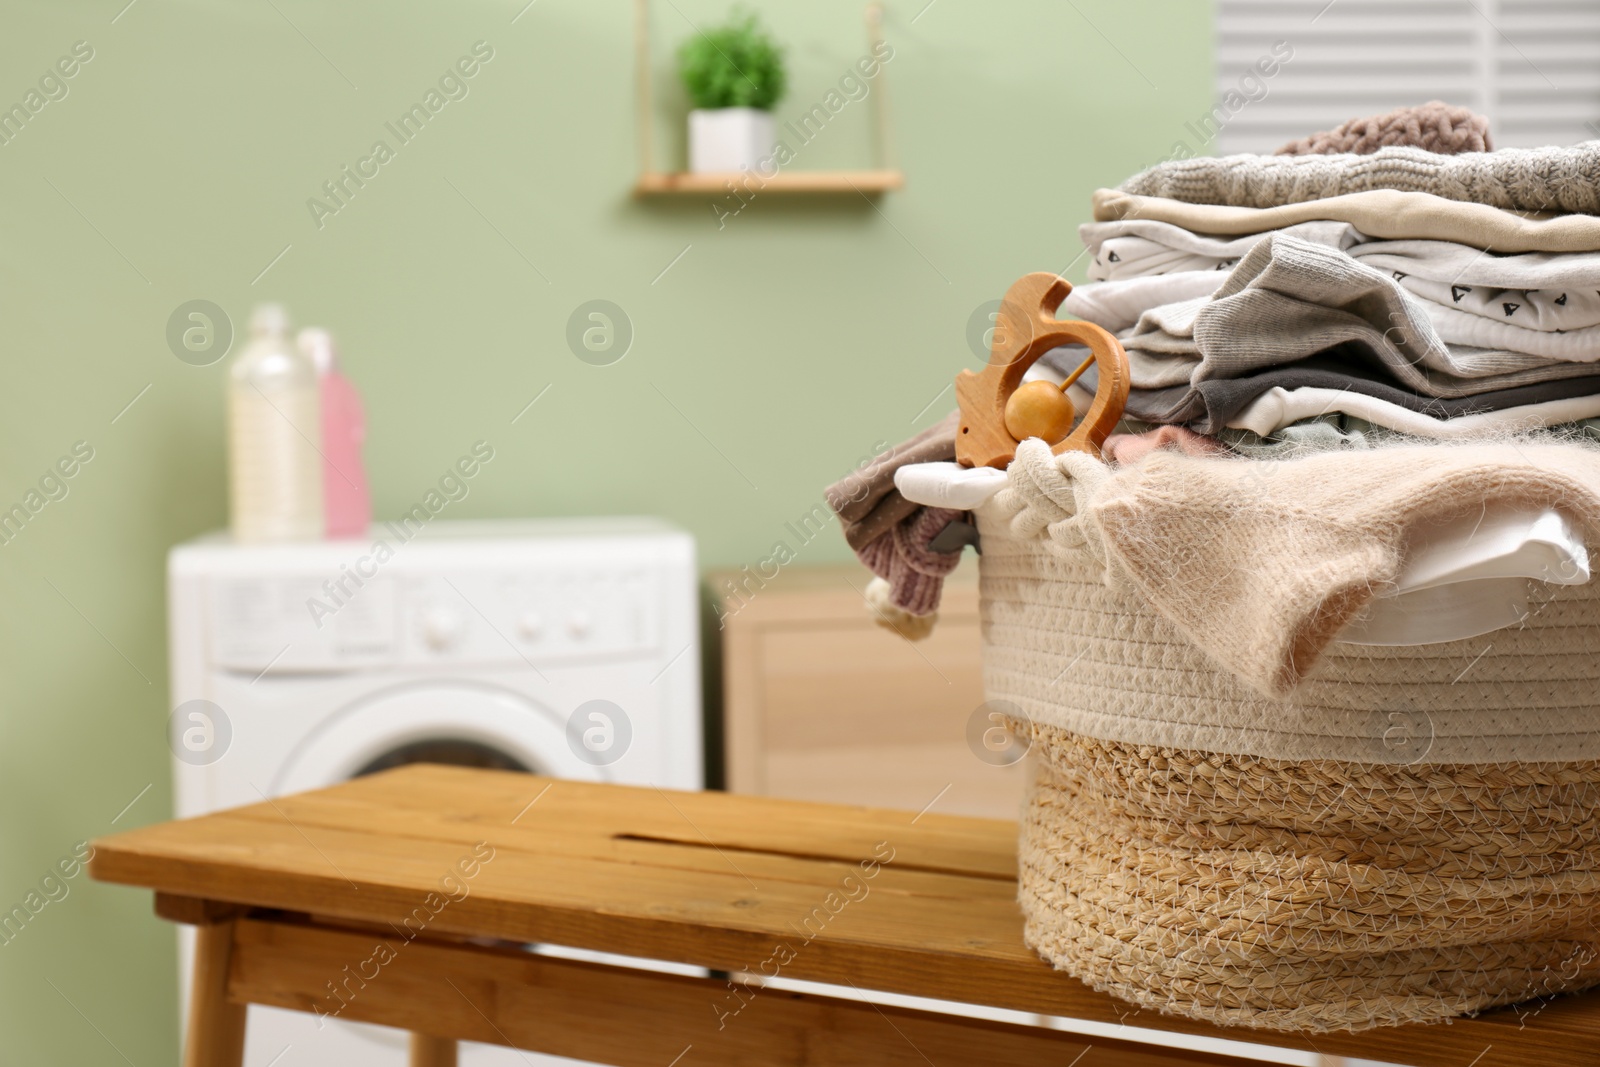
1065, 648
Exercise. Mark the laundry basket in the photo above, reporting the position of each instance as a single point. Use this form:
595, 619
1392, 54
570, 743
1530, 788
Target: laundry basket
1342, 858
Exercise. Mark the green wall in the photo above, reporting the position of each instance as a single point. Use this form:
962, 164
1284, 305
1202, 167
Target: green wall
766, 360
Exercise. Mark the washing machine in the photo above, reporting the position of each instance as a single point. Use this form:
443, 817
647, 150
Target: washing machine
559, 647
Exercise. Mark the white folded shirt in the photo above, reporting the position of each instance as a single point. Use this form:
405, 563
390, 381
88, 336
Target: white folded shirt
1472, 576
1278, 407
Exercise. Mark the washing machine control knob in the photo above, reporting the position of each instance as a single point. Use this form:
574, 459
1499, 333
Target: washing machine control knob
442, 627
579, 624
530, 625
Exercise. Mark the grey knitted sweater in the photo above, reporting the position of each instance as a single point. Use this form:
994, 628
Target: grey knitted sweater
1514, 179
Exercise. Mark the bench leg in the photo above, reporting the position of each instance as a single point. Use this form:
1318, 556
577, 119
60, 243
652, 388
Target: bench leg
216, 1025
430, 1051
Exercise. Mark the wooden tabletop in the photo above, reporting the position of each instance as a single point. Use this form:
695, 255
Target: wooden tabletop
886, 900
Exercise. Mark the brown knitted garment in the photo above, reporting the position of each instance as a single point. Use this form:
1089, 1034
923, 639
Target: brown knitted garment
914, 571
1434, 127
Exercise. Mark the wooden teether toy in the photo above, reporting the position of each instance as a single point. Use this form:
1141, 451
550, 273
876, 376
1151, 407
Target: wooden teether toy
998, 411
1039, 409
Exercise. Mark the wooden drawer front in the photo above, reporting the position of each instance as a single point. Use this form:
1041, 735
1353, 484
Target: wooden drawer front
822, 704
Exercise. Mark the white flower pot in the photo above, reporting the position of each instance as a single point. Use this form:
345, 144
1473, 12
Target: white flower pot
729, 139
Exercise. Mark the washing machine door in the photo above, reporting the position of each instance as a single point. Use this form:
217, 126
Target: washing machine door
458, 722
434, 722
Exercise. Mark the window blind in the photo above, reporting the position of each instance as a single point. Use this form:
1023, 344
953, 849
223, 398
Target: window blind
1531, 66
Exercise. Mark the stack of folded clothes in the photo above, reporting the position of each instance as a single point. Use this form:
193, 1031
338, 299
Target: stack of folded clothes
1291, 302
1387, 281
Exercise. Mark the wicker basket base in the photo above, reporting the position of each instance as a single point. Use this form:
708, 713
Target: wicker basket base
1310, 896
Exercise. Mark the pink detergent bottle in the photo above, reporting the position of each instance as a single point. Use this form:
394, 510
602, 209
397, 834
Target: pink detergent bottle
347, 502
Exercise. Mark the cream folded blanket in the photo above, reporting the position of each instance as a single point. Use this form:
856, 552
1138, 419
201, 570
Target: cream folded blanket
1262, 564
1382, 213
1516, 179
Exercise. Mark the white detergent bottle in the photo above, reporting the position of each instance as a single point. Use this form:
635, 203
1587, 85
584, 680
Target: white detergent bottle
274, 435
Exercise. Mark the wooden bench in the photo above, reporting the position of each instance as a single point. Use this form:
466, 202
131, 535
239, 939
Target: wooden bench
410, 876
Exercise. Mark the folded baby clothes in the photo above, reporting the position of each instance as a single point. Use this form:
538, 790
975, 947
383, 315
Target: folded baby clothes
1289, 299
1382, 213
1277, 408
1337, 432
1117, 305
1547, 323
1432, 127
1411, 292
1209, 405
1534, 290
1550, 311
1461, 328
1138, 248
1476, 265
1516, 179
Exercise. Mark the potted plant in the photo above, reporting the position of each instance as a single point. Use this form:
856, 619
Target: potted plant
734, 75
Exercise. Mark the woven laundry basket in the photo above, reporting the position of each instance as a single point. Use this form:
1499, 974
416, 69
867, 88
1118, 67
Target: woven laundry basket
1344, 858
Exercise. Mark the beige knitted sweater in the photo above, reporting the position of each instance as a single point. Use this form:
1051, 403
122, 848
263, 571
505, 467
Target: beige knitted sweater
1193, 603
1260, 564
1516, 179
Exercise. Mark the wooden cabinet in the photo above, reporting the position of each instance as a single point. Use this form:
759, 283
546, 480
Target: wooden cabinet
821, 703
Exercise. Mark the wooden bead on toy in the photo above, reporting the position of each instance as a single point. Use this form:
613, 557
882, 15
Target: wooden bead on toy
1039, 409
1028, 313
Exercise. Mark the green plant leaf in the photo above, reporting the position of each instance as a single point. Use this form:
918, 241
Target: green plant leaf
733, 65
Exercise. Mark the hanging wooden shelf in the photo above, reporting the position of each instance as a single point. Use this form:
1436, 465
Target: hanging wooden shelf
652, 182
865, 182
